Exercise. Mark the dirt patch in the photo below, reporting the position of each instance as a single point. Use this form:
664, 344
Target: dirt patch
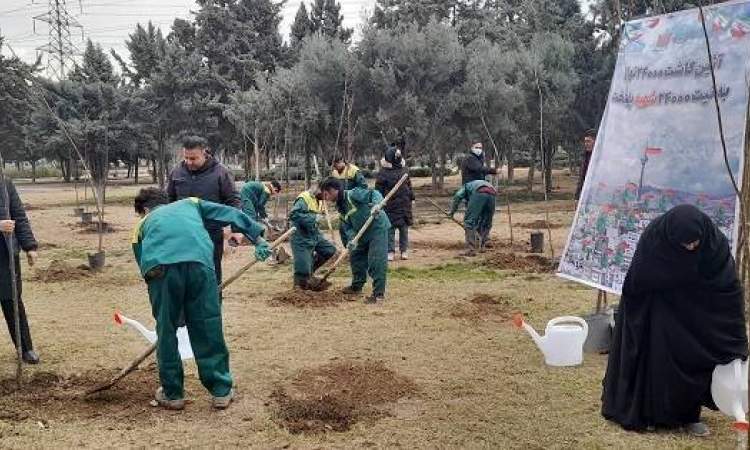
480, 307
337, 395
47, 246
521, 263
309, 299
61, 271
540, 225
47, 396
93, 228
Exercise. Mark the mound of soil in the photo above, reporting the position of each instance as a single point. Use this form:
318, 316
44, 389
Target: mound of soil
61, 271
521, 263
540, 225
335, 396
47, 396
480, 307
309, 299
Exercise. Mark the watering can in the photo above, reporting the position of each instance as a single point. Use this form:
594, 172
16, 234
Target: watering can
729, 391
562, 343
183, 340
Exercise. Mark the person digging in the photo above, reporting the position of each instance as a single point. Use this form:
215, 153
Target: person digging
310, 250
480, 209
174, 252
370, 253
254, 196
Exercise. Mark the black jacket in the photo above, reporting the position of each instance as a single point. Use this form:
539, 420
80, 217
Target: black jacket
23, 239
398, 207
473, 168
213, 182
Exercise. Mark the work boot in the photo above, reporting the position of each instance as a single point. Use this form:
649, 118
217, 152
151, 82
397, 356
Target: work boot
391, 256
351, 290
405, 255
223, 402
375, 299
698, 429
164, 402
30, 357
302, 283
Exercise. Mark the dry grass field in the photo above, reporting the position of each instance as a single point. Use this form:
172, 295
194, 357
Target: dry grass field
439, 365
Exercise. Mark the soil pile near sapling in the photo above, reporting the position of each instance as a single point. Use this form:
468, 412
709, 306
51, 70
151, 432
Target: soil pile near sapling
521, 263
61, 271
47, 396
309, 299
335, 396
540, 225
478, 307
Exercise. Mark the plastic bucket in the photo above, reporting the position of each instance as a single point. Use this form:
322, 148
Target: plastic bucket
96, 260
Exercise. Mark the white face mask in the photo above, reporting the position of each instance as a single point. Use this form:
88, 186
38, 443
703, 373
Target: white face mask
476, 151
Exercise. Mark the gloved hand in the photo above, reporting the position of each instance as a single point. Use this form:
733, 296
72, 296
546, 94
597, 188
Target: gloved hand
351, 246
262, 249
375, 210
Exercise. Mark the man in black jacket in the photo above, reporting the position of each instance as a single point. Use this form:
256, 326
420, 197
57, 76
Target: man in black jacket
473, 167
23, 238
200, 175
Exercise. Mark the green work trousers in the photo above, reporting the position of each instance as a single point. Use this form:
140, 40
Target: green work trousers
370, 256
189, 289
478, 218
309, 253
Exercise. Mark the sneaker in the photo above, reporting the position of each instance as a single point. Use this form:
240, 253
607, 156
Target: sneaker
405, 255
349, 290
223, 402
391, 256
698, 429
375, 299
30, 357
164, 402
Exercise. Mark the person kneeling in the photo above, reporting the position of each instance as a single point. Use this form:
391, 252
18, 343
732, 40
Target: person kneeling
310, 249
174, 252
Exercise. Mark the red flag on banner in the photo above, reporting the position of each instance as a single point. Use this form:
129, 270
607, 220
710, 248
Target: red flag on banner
653, 151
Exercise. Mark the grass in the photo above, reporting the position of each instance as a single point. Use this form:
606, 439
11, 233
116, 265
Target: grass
446, 272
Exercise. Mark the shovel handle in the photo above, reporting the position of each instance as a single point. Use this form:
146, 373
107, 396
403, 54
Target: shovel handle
364, 228
247, 266
458, 222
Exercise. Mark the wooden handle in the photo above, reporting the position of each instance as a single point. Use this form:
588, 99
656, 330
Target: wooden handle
458, 222
366, 225
247, 266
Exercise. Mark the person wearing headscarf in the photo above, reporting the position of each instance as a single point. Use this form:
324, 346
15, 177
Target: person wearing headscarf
399, 207
680, 316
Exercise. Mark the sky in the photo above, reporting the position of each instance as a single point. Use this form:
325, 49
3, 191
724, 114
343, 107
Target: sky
109, 22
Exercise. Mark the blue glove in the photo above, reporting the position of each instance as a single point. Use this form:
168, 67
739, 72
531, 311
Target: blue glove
351, 246
262, 249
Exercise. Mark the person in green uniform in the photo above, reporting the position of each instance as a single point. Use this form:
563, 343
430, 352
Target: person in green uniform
370, 254
254, 196
174, 252
310, 249
349, 176
480, 198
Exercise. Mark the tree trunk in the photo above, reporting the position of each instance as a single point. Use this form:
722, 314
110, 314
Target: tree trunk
532, 167
65, 173
256, 151
33, 171
433, 171
441, 175
548, 169
511, 164
154, 175
308, 168
135, 169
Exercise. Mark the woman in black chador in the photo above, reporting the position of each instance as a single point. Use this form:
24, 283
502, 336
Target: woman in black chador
680, 315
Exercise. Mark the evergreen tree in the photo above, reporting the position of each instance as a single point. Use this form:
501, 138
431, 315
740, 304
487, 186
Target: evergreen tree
326, 19
301, 27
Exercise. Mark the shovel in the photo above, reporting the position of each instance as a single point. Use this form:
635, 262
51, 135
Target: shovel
148, 351
319, 284
458, 222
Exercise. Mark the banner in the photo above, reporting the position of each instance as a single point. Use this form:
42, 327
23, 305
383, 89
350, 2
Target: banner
658, 145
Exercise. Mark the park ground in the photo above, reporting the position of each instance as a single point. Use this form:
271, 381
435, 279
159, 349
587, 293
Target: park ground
439, 365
